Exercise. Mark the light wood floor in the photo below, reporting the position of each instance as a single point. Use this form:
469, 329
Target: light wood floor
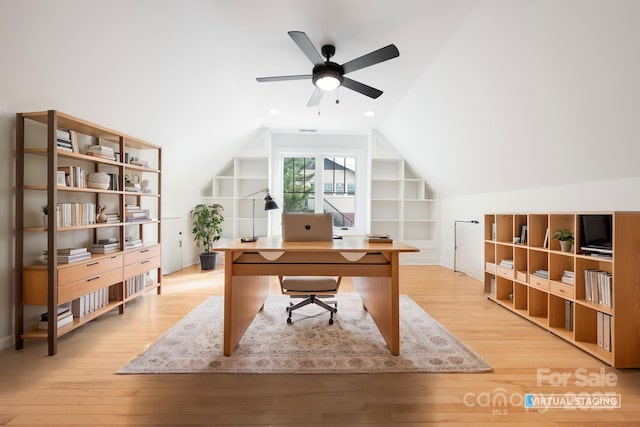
78, 385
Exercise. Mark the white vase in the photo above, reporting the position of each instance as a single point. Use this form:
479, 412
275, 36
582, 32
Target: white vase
565, 246
45, 220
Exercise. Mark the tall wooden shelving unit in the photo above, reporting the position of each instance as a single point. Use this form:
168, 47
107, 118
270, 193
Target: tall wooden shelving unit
52, 284
544, 301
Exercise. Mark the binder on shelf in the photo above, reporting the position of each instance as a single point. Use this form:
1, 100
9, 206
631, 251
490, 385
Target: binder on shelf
600, 329
606, 335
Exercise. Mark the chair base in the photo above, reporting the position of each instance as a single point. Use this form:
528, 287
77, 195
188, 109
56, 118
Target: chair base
312, 299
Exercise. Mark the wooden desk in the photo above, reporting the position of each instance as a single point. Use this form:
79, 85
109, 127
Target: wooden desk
374, 268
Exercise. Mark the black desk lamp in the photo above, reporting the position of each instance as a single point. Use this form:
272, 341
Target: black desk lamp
269, 204
455, 239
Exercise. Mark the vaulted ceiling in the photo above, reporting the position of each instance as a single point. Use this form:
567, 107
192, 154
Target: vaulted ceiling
526, 85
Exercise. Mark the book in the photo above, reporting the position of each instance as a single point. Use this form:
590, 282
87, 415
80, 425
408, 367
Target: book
71, 251
103, 156
62, 321
107, 240
546, 239
62, 310
100, 149
378, 238
65, 259
74, 141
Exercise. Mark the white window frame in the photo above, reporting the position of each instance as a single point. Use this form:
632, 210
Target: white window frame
360, 217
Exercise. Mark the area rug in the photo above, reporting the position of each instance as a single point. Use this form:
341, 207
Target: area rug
309, 345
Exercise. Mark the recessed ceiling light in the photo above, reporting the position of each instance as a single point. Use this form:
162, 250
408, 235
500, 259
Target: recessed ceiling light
370, 113
274, 111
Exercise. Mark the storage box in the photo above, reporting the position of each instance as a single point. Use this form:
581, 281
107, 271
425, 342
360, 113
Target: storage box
521, 276
490, 267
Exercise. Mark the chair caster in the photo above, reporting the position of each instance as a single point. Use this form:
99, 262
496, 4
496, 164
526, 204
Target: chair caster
331, 321
289, 320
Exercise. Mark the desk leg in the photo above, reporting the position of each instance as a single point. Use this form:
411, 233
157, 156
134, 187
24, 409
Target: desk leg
381, 297
244, 296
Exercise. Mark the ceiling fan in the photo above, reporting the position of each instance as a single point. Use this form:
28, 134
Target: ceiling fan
327, 75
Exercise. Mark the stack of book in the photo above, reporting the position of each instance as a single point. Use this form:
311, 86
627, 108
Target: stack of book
541, 273
68, 255
67, 140
134, 213
507, 263
568, 278
131, 243
102, 151
112, 218
65, 317
378, 238
105, 246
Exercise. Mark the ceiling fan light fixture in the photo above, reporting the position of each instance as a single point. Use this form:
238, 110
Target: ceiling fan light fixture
328, 76
327, 83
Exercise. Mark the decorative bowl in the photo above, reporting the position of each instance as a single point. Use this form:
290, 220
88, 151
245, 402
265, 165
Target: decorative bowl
99, 180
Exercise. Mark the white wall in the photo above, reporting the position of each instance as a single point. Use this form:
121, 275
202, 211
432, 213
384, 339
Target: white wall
529, 86
616, 195
82, 67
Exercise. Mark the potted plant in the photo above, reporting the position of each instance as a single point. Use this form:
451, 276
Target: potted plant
45, 212
565, 237
206, 231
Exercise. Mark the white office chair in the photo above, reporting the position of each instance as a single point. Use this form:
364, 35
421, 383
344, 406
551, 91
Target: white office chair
312, 289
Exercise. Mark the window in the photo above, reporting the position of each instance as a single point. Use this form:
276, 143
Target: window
337, 176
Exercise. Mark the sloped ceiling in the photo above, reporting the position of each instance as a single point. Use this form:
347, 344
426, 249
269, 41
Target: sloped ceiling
527, 85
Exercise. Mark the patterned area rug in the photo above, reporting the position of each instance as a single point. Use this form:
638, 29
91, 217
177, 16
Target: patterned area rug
309, 345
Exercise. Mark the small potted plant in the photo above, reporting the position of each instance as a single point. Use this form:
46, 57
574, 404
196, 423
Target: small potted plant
206, 231
45, 212
565, 237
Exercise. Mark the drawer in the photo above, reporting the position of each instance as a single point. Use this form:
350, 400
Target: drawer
539, 282
71, 291
561, 289
141, 267
140, 254
490, 267
505, 272
521, 276
89, 268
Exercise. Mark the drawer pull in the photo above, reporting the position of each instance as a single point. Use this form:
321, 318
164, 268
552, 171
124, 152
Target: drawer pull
92, 263
144, 250
93, 278
144, 262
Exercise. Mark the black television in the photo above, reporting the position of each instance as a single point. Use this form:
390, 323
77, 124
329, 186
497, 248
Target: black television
596, 233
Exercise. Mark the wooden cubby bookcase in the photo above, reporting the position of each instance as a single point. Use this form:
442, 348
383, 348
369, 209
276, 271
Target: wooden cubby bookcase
45, 285
545, 301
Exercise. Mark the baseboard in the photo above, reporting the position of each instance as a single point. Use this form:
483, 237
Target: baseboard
6, 342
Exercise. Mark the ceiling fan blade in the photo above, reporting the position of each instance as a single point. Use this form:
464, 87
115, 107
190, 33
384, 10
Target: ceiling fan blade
306, 46
371, 58
361, 88
284, 78
315, 97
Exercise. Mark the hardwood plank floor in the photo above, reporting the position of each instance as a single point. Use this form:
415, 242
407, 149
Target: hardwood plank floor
78, 385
